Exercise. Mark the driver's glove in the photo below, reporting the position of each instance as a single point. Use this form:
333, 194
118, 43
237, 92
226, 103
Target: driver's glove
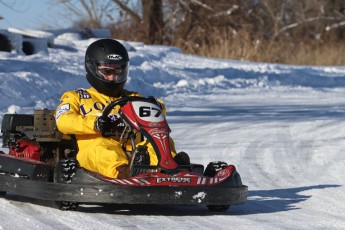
103, 125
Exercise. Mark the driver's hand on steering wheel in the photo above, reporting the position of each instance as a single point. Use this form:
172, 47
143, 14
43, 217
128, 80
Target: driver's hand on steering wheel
103, 125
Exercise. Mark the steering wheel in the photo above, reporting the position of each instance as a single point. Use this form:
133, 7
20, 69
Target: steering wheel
123, 100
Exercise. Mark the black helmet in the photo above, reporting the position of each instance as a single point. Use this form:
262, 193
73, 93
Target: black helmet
105, 52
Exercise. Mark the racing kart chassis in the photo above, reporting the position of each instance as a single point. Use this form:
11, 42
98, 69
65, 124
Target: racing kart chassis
41, 164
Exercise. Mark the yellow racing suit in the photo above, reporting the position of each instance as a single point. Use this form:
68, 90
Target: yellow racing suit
76, 115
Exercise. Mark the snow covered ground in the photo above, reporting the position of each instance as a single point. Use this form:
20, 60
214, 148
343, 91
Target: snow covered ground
280, 125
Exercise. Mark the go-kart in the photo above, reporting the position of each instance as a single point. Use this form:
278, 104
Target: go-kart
41, 163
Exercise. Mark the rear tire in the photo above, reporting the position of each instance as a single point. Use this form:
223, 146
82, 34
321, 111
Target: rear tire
2, 194
66, 205
218, 208
211, 170
64, 172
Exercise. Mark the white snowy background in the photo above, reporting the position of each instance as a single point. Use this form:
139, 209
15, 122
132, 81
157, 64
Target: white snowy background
282, 126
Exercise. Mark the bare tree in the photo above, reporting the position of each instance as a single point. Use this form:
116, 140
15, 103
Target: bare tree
146, 16
153, 20
150, 21
87, 13
8, 4
247, 28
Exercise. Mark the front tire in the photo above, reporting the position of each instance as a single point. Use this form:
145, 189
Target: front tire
210, 171
64, 172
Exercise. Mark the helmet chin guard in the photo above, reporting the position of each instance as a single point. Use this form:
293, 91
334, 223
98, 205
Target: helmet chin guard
109, 88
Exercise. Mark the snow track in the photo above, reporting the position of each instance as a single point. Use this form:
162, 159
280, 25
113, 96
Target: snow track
291, 163
293, 167
281, 126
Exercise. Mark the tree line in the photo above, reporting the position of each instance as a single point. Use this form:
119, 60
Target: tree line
308, 32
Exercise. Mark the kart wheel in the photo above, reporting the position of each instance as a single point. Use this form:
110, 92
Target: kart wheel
66, 205
213, 167
2, 194
218, 208
211, 170
64, 172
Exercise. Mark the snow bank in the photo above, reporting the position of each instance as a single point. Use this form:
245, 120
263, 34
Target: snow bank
38, 80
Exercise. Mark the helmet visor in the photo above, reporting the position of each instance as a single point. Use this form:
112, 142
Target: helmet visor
112, 72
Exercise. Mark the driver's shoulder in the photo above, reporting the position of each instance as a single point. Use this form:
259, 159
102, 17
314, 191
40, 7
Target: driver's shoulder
128, 93
76, 94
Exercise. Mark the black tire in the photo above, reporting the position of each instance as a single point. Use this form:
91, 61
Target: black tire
2, 194
64, 172
218, 208
211, 170
66, 205
5, 43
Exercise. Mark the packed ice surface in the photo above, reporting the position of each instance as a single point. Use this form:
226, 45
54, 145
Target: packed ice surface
280, 125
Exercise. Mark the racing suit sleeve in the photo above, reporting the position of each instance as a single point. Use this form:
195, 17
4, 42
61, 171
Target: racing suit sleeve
69, 120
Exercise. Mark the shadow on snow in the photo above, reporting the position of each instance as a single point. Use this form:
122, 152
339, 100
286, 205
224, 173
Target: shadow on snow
259, 201
276, 200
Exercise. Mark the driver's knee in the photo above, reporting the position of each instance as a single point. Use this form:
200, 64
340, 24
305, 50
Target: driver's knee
123, 171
